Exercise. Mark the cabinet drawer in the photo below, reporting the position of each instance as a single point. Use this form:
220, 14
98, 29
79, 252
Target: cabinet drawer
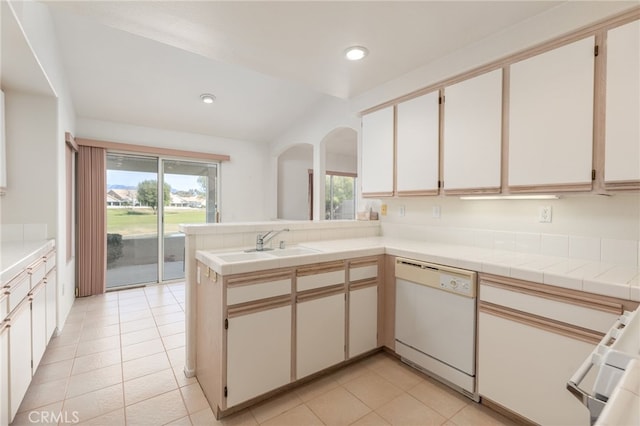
50, 261
321, 275
364, 272
18, 288
249, 292
591, 316
37, 271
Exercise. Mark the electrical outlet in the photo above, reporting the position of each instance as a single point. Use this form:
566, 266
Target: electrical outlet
401, 211
544, 214
383, 209
435, 212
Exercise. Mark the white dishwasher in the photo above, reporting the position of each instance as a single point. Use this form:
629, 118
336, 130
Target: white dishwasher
435, 327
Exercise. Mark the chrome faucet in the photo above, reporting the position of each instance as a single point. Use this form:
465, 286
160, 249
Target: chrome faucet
265, 238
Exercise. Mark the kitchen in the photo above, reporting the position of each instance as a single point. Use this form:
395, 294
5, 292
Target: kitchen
583, 225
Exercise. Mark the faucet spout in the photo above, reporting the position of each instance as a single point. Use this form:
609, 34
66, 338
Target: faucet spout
265, 238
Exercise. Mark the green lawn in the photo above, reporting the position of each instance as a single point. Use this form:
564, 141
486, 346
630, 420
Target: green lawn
141, 221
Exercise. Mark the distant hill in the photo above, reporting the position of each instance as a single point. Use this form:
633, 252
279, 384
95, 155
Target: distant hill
109, 187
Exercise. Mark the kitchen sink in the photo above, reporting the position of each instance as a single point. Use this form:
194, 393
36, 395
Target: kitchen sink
293, 251
243, 256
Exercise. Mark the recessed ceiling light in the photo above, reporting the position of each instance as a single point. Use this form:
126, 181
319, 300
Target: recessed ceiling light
355, 53
207, 98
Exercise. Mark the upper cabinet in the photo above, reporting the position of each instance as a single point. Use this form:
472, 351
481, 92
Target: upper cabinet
622, 130
551, 120
378, 153
472, 141
417, 148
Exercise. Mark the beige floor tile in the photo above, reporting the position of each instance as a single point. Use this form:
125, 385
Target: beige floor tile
95, 361
104, 313
143, 349
338, 407
352, 372
98, 345
205, 418
445, 401
130, 294
47, 415
371, 419
406, 410
176, 357
145, 365
99, 332
161, 300
477, 415
94, 380
316, 388
400, 375
140, 301
169, 318
96, 403
169, 309
300, 415
114, 418
149, 386
130, 326
55, 371
194, 398
184, 421
59, 353
373, 390
275, 406
181, 378
242, 418
68, 337
159, 410
173, 341
136, 315
100, 321
139, 336
172, 328
44, 394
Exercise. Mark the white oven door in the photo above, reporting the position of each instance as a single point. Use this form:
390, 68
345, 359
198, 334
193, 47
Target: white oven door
438, 323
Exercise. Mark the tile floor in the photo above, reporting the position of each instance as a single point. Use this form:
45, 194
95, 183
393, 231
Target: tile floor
119, 361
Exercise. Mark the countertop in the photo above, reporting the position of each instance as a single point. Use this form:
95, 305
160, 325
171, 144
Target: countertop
16, 255
607, 279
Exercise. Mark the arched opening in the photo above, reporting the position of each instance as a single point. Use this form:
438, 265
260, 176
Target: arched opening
294, 183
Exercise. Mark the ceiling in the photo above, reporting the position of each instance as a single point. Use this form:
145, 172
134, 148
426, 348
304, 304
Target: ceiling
268, 63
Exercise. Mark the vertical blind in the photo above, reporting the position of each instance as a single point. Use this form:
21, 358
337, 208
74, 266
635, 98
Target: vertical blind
92, 224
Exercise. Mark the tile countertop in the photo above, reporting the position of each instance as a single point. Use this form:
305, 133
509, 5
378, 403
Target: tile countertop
607, 279
16, 255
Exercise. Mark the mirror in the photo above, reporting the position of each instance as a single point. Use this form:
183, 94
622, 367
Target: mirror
294, 164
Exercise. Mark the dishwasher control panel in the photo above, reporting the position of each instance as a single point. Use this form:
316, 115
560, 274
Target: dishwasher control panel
456, 284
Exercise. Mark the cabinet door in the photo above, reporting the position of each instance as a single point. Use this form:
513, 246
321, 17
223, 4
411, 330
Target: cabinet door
51, 290
417, 145
525, 369
378, 153
258, 353
320, 334
551, 120
19, 357
4, 376
38, 325
622, 137
472, 141
363, 320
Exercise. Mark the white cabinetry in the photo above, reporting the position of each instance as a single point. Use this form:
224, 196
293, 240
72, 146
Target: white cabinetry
363, 320
378, 153
531, 339
472, 141
551, 119
622, 130
417, 150
320, 333
51, 303
19, 356
4, 373
258, 353
39, 338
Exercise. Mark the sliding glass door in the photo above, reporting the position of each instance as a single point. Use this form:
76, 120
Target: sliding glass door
147, 199
192, 199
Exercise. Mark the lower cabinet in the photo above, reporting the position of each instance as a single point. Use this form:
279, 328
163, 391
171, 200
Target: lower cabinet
531, 339
363, 320
51, 291
258, 353
19, 356
320, 333
4, 374
39, 338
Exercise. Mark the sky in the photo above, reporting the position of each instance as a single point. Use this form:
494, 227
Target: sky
126, 178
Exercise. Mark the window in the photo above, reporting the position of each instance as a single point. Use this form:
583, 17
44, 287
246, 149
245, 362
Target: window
340, 189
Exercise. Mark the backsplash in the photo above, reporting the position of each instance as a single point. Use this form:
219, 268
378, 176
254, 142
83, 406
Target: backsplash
23, 232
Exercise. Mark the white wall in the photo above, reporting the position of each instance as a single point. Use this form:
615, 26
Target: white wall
242, 180
293, 182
